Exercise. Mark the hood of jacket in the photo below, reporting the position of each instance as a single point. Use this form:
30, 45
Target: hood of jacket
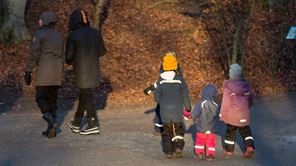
78, 18
48, 17
238, 87
209, 92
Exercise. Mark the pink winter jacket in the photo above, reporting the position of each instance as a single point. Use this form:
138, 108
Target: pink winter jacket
236, 102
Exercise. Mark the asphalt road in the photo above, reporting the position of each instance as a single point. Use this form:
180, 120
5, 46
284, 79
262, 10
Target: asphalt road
127, 137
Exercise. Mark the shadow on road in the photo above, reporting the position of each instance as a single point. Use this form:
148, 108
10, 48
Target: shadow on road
68, 96
10, 91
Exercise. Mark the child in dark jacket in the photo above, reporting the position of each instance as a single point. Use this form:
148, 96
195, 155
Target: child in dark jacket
158, 126
235, 110
172, 95
205, 116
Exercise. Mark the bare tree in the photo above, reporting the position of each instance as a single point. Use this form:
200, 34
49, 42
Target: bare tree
242, 19
13, 29
100, 4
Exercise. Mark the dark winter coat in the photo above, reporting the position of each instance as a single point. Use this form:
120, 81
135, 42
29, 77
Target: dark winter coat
47, 53
236, 102
172, 95
205, 113
84, 47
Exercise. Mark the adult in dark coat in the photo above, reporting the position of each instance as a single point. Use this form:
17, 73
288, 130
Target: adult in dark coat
83, 49
48, 56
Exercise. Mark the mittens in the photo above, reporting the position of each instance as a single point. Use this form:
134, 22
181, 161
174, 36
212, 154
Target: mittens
149, 89
186, 114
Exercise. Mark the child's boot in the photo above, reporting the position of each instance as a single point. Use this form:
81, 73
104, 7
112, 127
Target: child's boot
228, 154
179, 153
249, 152
210, 157
199, 156
169, 156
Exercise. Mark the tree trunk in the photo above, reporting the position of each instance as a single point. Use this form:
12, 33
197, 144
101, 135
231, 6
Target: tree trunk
13, 29
99, 10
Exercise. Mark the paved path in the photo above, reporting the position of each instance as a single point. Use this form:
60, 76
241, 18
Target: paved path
127, 138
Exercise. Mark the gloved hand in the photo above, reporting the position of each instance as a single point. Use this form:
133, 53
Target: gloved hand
149, 89
186, 114
28, 78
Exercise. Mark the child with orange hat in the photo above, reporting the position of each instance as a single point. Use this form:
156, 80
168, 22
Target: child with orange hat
158, 127
171, 93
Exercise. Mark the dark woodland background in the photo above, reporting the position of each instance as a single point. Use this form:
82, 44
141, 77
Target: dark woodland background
207, 36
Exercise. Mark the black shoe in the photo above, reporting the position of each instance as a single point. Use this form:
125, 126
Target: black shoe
52, 132
92, 127
45, 133
47, 116
74, 126
90, 131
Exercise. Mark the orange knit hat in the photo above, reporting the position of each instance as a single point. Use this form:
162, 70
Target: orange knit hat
169, 62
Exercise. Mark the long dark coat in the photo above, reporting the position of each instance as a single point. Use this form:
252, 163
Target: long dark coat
83, 49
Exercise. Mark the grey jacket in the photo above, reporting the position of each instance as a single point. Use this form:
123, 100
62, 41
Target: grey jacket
172, 95
205, 113
47, 53
84, 47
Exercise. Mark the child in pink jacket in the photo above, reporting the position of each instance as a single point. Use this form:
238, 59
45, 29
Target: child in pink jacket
235, 111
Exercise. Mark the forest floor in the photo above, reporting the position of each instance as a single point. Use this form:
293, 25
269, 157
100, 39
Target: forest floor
127, 136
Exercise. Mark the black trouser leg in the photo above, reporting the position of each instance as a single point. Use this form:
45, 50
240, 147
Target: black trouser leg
230, 138
246, 135
157, 112
86, 104
178, 136
46, 98
42, 98
53, 94
167, 136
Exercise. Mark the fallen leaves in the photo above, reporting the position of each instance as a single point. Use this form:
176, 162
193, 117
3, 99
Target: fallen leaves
136, 42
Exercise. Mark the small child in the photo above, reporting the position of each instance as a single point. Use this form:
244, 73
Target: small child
235, 110
171, 93
205, 115
158, 126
